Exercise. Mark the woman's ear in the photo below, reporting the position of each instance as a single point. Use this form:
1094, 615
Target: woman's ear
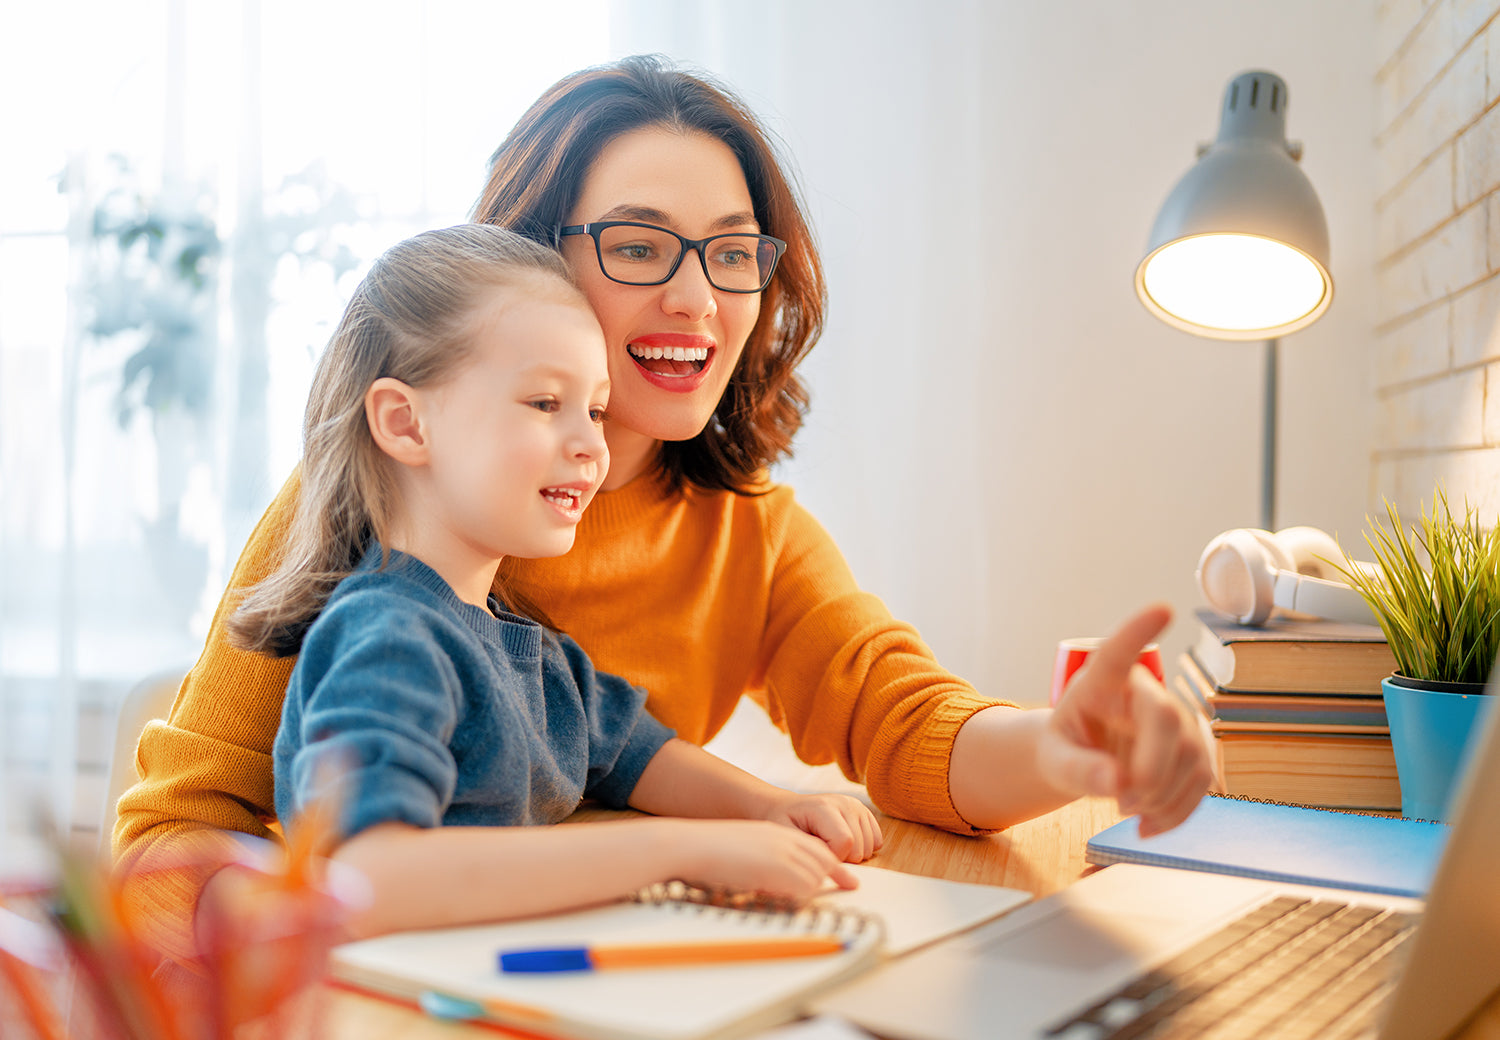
391, 410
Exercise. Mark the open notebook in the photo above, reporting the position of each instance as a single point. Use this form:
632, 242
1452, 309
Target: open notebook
889, 913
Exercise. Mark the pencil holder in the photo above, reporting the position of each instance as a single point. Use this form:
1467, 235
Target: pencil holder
79, 958
1430, 733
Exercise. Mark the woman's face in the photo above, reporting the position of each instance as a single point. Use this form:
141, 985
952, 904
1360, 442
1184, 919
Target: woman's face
692, 184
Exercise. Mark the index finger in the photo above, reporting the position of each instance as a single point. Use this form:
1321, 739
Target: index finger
1111, 661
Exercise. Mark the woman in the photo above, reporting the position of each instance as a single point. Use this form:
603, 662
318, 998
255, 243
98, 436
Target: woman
692, 575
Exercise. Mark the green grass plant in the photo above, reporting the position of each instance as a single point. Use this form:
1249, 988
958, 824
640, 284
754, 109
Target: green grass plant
1435, 589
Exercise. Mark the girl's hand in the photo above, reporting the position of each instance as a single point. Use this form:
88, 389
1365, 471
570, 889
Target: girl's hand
846, 824
264, 936
757, 856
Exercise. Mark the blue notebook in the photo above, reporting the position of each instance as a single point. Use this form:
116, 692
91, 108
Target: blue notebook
1292, 843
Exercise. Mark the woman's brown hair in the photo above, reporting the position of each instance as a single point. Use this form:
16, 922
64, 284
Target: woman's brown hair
535, 179
409, 319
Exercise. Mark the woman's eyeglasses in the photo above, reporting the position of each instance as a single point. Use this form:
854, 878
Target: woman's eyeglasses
644, 254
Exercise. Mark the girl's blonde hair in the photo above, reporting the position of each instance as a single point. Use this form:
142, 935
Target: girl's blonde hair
410, 319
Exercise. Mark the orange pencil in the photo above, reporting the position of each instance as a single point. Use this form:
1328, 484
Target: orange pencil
662, 955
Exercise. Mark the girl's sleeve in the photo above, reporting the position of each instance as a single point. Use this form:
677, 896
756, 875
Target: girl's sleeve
622, 736
853, 685
371, 716
206, 770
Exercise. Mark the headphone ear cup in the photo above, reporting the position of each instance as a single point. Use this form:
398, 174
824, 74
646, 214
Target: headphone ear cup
1310, 549
1237, 574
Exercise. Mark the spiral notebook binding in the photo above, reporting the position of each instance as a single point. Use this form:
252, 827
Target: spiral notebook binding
810, 917
1387, 813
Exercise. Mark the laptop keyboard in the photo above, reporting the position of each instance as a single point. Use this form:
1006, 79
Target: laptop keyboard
1289, 968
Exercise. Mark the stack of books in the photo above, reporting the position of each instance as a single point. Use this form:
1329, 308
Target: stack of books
1296, 710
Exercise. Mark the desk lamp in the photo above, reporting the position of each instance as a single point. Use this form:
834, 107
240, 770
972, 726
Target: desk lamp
1239, 250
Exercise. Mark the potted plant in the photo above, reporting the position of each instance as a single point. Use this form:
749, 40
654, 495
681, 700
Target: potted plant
1435, 591
152, 296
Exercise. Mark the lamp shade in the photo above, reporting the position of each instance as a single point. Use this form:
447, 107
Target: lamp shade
1239, 249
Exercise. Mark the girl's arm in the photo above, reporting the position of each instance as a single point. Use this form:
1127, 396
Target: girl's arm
398, 773
427, 878
679, 778
684, 780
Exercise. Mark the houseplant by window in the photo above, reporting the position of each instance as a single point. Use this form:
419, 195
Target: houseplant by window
152, 294
1435, 590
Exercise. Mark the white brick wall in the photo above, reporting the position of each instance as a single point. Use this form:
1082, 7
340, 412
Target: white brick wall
1437, 234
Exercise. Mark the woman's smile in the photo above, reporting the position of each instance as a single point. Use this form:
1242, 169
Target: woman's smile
673, 361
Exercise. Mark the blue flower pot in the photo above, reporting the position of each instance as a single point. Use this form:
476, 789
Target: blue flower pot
1430, 736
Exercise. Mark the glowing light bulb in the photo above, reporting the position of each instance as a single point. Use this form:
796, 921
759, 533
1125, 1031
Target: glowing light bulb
1236, 283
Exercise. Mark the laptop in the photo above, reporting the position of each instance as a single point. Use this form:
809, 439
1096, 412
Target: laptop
1135, 951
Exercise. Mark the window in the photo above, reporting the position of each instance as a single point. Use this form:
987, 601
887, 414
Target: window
197, 190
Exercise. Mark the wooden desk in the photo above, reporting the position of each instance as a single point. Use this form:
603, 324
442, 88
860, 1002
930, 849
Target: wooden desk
1040, 856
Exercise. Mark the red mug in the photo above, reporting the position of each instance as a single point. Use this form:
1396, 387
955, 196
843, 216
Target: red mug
1071, 653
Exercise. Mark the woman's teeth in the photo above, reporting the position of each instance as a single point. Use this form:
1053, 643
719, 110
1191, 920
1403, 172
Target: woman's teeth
669, 353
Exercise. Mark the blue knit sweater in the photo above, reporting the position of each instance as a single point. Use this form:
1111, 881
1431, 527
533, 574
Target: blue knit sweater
434, 711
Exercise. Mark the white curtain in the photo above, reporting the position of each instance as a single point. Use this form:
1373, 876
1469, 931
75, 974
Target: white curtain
189, 193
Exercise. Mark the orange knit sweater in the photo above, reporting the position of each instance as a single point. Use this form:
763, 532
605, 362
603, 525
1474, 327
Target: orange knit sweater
700, 597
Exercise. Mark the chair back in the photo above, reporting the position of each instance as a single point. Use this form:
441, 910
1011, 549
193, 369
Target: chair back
151, 698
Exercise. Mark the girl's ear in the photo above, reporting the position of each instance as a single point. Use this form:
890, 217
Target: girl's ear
391, 410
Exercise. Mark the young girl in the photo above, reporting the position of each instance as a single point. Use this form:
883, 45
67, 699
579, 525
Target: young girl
456, 419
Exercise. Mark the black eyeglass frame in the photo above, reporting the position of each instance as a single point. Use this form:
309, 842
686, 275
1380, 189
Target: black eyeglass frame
594, 229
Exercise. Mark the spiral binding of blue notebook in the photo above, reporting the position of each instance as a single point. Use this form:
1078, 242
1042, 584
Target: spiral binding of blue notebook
1291, 843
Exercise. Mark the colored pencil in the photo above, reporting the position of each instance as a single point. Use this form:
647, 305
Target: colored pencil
661, 955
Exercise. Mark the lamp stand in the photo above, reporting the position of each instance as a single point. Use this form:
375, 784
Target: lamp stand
1268, 449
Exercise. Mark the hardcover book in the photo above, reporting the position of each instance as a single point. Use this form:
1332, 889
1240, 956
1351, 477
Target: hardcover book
1247, 710
1282, 656
1335, 771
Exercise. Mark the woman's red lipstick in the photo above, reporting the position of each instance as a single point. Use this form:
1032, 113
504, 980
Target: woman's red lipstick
674, 361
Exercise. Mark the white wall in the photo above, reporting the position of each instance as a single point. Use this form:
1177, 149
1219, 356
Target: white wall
1008, 447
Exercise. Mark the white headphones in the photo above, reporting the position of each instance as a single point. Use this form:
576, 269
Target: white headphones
1247, 572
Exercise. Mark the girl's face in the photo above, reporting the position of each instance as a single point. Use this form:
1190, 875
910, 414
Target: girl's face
515, 435
692, 184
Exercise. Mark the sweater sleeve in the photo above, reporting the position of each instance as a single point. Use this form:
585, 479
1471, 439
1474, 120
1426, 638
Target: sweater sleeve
370, 714
622, 736
853, 685
207, 768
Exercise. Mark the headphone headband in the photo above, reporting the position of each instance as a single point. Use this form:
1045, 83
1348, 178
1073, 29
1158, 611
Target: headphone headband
1246, 573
